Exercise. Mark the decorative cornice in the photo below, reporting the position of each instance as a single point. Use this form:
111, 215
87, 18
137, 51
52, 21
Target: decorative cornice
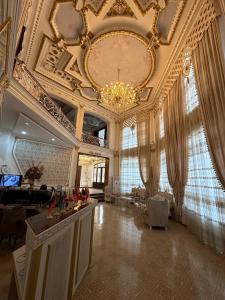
34, 29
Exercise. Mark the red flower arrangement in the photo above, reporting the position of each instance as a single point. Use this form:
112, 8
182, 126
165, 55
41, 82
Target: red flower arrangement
34, 172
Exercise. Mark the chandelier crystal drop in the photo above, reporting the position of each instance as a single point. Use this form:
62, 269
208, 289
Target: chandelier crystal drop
119, 96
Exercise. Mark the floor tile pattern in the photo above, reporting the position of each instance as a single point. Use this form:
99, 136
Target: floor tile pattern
130, 261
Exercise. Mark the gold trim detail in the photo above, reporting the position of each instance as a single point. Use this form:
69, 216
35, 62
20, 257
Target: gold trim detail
120, 8
115, 33
206, 16
6, 25
96, 12
151, 5
57, 36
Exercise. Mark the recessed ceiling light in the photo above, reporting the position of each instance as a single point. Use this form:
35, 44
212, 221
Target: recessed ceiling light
26, 123
23, 132
53, 139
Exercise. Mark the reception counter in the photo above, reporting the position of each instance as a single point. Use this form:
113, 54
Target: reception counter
55, 257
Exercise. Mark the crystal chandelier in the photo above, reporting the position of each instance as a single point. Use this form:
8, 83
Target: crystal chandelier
118, 96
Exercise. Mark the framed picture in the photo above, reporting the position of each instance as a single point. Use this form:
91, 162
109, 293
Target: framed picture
4, 48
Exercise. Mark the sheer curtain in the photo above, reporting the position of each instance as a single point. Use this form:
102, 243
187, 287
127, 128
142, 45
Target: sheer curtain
175, 143
129, 164
144, 155
209, 69
148, 155
204, 199
164, 185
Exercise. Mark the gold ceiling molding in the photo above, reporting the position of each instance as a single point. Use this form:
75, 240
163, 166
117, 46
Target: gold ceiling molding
176, 19
96, 6
52, 59
120, 8
58, 37
34, 29
5, 29
206, 16
119, 33
173, 25
150, 4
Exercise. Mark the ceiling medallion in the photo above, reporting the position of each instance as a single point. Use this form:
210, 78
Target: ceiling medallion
119, 96
127, 52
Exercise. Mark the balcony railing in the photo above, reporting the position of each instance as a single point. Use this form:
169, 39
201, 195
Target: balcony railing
33, 87
94, 140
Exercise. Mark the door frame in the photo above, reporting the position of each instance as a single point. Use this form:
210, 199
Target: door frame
107, 159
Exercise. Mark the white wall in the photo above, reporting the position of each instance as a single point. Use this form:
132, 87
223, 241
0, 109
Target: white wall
86, 178
7, 140
56, 160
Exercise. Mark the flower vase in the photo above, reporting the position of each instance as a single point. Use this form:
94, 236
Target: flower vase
31, 182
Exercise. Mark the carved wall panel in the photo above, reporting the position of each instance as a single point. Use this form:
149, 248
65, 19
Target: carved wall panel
56, 160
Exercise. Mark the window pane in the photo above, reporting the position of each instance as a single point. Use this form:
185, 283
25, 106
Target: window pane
95, 175
191, 92
163, 181
129, 174
203, 192
161, 125
128, 137
99, 175
103, 174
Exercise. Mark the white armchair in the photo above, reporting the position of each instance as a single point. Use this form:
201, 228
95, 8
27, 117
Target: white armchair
157, 211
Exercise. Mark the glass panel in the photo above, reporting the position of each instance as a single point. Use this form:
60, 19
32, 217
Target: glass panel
161, 125
203, 192
95, 175
128, 138
103, 174
99, 174
129, 174
164, 182
191, 92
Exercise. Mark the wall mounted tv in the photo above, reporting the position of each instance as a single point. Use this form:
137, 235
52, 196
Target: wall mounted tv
9, 180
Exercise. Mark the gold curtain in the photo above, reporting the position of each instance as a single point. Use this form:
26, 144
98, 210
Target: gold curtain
155, 157
175, 143
209, 70
148, 153
143, 135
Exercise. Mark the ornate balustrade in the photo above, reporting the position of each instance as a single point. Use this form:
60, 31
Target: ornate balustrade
94, 140
33, 87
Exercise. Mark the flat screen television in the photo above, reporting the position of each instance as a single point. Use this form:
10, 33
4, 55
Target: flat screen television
9, 180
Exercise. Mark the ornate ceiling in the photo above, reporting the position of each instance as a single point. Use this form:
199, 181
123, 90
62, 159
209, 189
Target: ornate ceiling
77, 46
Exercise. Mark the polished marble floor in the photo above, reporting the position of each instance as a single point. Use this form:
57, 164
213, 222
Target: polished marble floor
132, 262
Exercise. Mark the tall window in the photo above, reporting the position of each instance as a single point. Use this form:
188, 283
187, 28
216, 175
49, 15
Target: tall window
202, 190
203, 193
161, 125
163, 180
129, 166
164, 185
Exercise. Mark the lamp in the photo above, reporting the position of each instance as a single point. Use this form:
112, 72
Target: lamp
119, 96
